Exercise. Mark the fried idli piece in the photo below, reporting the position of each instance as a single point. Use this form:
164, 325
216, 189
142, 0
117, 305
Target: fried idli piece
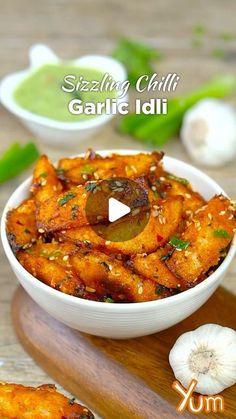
80, 169
62, 211
152, 266
21, 225
163, 222
45, 183
49, 262
18, 401
208, 234
169, 185
107, 276
73, 209
192, 200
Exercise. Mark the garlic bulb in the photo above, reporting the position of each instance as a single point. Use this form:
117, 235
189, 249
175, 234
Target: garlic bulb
209, 132
208, 355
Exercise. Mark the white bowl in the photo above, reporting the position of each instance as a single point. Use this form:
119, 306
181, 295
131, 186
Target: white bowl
128, 320
49, 130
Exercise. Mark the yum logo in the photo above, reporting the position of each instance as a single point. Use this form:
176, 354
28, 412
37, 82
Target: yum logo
202, 404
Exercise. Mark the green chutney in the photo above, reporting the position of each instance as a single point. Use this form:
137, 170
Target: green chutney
41, 92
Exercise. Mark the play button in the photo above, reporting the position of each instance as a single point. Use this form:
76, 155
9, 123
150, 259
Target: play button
117, 209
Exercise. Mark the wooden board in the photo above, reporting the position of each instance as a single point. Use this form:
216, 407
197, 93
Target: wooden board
116, 378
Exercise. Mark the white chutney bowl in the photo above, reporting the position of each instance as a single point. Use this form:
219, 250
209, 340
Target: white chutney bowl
50, 131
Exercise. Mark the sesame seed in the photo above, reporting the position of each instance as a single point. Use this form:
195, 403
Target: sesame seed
187, 195
162, 178
107, 242
134, 169
231, 217
89, 289
65, 258
222, 212
52, 258
136, 211
99, 217
209, 216
140, 290
41, 230
43, 182
96, 175
54, 188
154, 188
153, 168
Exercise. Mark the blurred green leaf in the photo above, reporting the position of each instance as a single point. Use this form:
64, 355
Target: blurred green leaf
136, 57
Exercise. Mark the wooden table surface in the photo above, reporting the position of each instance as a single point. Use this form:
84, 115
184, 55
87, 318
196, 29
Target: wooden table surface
92, 26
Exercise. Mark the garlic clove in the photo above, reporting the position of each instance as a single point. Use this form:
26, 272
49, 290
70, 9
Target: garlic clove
207, 354
209, 132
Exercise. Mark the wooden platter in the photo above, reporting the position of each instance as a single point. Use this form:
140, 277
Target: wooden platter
116, 378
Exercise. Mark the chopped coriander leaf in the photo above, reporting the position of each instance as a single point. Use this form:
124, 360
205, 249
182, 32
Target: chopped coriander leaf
221, 233
44, 174
90, 186
87, 168
178, 179
60, 171
44, 253
66, 198
108, 300
74, 211
166, 256
179, 244
160, 289
72, 401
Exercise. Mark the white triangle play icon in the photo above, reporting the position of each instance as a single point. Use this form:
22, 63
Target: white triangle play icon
116, 209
